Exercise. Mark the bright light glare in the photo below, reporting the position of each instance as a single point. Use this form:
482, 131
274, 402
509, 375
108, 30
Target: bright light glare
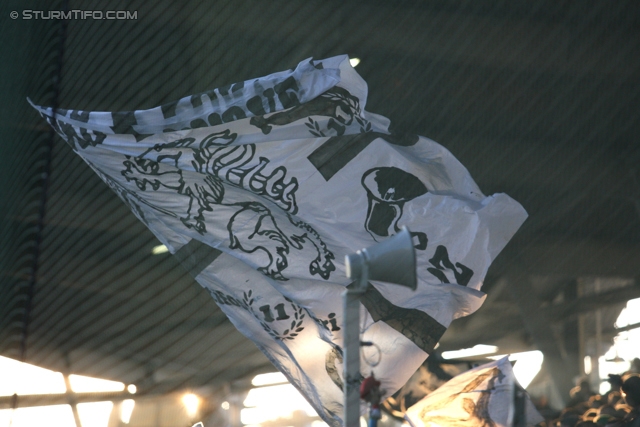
23, 378
319, 423
587, 365
612, 363
131, 388
630, 314
94, 414
82, 384
191, 403
527, 366
225, 405
126, 410
354, 62
476, 350
160, 249
50, 416
627, 343
618, 358
270, 403
269, 379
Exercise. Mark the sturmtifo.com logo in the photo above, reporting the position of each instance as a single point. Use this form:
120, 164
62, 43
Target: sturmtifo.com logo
75, 14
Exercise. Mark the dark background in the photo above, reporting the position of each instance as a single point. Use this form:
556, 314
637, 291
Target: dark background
538, 99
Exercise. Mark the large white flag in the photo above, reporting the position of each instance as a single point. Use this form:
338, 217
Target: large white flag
261, 188
481, 397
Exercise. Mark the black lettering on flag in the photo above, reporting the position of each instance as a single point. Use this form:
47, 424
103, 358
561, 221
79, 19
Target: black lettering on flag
331, 321
270, 95
338, 151
268, 314
422, 329
266, 310
198, 123
214, 119
282, 314
224, 90
441, 262
255, 106
195, 256
81, 116
233, 113
287, 92
123, 122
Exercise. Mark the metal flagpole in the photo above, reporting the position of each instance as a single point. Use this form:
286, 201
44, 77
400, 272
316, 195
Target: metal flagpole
391, 261
351, 346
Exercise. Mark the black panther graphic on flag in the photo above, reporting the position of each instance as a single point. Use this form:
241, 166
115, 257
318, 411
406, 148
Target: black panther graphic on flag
260, 188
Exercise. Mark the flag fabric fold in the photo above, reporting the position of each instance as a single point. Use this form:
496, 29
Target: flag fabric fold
481, 397
260, 189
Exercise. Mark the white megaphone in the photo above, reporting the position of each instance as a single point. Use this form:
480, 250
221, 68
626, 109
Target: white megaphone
392, 261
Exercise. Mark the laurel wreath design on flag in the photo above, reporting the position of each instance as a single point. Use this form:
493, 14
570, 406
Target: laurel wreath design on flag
288, 334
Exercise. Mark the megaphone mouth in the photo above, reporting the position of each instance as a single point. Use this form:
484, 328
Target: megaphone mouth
391, 261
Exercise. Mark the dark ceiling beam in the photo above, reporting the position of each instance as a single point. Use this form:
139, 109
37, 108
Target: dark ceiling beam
567, 258
539, 326
570, 309
30, 400
499, 321
165, 354
613, 331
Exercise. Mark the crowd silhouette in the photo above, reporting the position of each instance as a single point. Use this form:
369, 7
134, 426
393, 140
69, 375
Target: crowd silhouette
618, 407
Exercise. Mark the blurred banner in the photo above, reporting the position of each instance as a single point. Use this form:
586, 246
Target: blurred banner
483, 396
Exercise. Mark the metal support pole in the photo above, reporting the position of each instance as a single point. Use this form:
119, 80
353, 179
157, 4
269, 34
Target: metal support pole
72, 401
599, 350
519, 406
540, 328
351, 347
392, 261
